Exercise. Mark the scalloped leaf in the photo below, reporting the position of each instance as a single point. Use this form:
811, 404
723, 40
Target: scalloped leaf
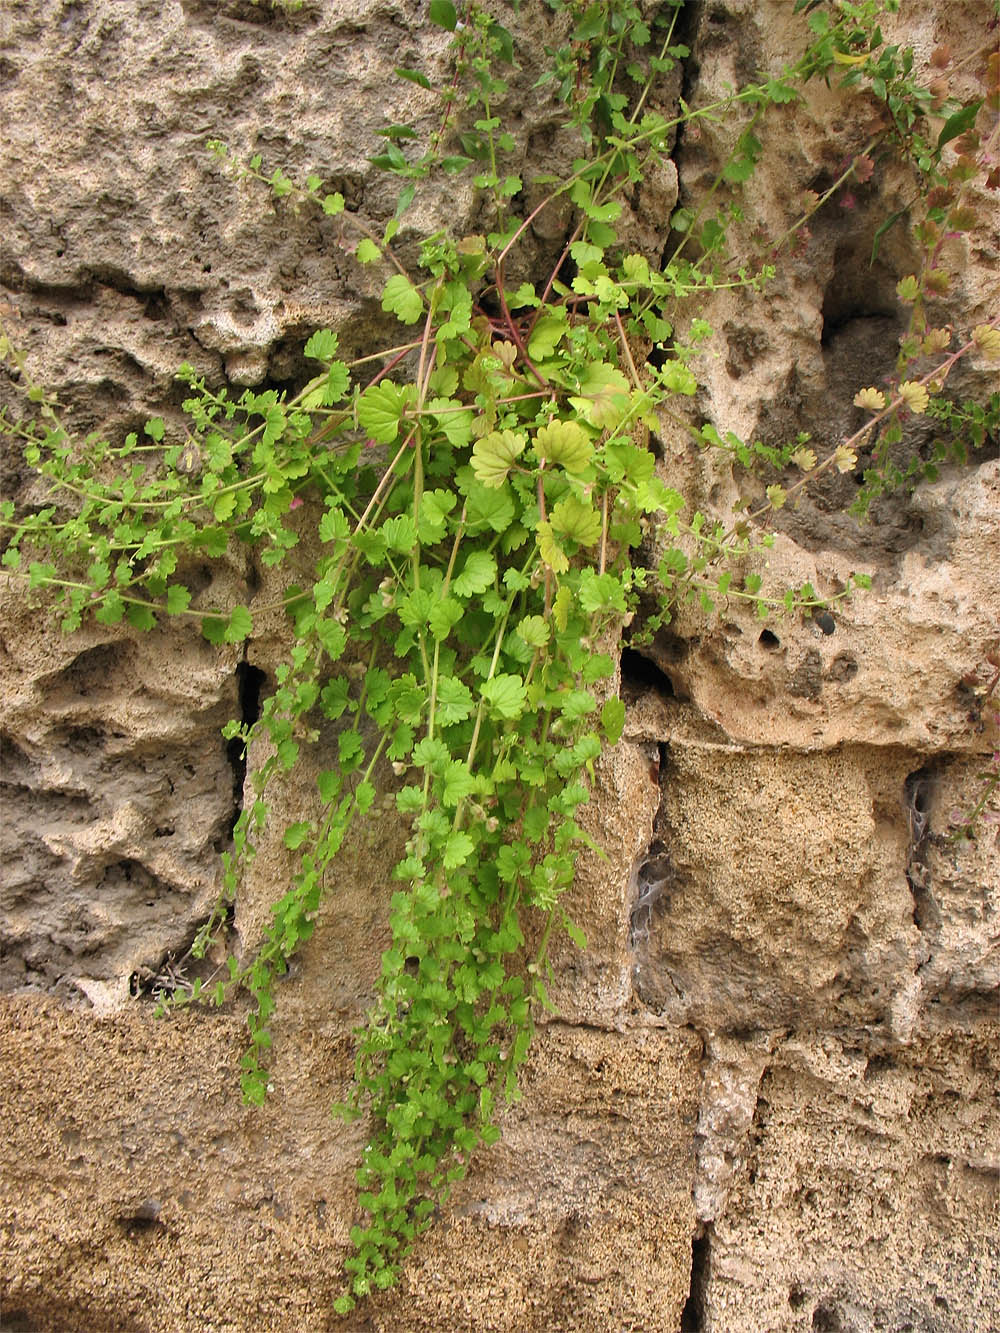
576, 520
565, 443
495, 454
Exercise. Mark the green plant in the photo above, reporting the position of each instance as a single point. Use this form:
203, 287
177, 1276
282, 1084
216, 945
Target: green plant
484, 506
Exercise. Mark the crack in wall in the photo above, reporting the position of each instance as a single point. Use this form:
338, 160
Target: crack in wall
693, 1314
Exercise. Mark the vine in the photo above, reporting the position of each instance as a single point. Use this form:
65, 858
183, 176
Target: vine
484, 500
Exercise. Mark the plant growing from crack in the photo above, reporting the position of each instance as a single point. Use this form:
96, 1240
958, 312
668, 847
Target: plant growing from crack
483, 501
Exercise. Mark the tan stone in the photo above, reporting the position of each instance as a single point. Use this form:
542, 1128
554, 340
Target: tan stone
780, 1045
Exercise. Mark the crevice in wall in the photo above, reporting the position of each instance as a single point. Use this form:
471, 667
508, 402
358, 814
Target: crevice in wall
652, 878
249, 684
918, 790
641, 673
693, 1314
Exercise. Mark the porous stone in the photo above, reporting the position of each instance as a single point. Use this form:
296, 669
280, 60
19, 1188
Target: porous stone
769, 1097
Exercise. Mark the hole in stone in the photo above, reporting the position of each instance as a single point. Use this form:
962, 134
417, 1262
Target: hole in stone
16, 1321
145, 1218
249, 683
640, 674
843, 668
653, 878
693, 1314
826, 1319
796, 1296
769, 640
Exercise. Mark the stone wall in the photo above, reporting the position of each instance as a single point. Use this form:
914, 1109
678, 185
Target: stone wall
769, 1100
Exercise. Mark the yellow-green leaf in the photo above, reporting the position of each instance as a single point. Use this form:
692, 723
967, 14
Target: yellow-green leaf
494, 455
550, 550
576, 520
565, 443
534, 631
604, 396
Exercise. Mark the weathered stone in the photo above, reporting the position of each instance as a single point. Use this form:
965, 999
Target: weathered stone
769, 1098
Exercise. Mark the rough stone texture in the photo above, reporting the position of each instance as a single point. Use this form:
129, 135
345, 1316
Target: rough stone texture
769, 1101
117, 799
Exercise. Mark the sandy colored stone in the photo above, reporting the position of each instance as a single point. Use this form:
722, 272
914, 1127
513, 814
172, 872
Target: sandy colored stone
769, 1099
878, 1209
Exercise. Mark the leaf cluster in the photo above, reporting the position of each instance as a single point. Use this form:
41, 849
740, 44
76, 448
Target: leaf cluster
464, 534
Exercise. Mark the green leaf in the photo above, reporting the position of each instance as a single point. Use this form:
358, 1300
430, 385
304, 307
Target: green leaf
503, 40
442, 12
239, 626
546, 335
332, 636
506, 695
414, 76
322, 345
333, 699
329, 783
458, 783
454, 701
367, 251
402, 742
601, 592
575, 704
677, 378
598, 667
958, 123
400, 533
178, 599
574, 932
296, 834
455, 426
635, 268
349, 750
534, 631
213, 628
478, 574
550, 550
140, 617
327, 389
154, 429
628, 462
333, 526
604, 396
494, 455
444, 615
593, 23
333, 204
431, 753
434, 508
613, 720
488, 505
402, 299
576, 520
112, 608
457, 850
380, 409
458, 300
364, 797
565, 443
415, 607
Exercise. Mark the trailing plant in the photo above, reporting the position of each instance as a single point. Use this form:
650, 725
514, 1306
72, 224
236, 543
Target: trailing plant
468, 519
953, 169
